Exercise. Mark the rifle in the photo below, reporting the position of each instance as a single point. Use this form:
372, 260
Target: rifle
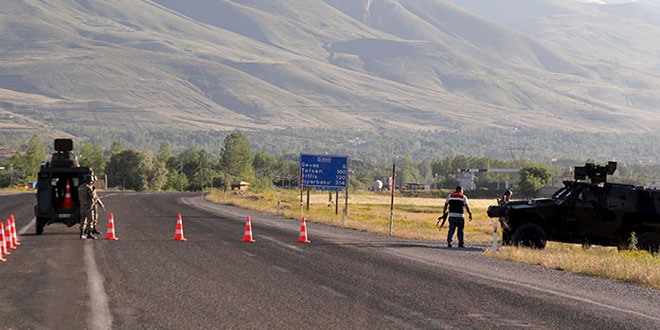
98, 200
444, 219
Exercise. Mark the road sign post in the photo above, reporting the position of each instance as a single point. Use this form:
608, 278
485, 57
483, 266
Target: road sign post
324, 172
300, 179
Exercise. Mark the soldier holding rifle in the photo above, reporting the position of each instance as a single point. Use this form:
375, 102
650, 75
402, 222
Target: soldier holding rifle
457, 204
95, 209
88, 200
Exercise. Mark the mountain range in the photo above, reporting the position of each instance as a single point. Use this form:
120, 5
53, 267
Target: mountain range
412, 65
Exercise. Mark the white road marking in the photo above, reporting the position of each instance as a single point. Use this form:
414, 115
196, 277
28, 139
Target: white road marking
249, 254
190, 201
282, 243
26, 227
101, 318
332, 291
281, 269
528, 286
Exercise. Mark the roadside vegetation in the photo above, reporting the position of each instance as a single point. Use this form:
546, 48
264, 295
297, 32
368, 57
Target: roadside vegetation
414, 218
250, 157
635, 266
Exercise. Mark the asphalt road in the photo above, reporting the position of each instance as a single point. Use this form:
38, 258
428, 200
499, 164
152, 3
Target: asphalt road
344, 279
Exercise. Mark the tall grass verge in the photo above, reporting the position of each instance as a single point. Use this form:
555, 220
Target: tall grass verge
414, 218
640, 267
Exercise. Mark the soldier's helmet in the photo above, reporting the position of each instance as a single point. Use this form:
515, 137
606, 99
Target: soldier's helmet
88, 178
508, 192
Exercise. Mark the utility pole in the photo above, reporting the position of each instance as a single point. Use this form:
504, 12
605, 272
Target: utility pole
210, 176
181, 172
392, 203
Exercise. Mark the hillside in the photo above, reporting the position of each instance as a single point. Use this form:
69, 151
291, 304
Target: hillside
198, 65
624, 32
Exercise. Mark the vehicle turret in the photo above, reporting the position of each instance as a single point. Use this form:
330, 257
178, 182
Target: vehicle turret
596, 173
64, 156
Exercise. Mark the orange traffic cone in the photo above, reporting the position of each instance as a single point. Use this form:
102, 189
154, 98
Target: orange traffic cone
178, 234
3, 244
302, 238
68, 202
111, 229
14, 236
248, 231
10, 242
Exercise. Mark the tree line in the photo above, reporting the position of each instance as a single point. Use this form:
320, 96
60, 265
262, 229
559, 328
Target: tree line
191, 169
195, 169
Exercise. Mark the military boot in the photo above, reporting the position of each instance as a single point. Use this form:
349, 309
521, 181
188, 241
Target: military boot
82, 235
95, 232
90, 236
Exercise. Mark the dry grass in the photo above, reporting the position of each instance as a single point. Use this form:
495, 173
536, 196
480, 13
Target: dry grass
639, 267
16, 189
414, 218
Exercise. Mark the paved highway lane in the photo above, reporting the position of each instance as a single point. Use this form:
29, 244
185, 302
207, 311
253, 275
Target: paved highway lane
343, 279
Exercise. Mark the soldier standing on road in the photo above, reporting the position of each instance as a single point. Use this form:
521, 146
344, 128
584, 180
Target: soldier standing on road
88, 198
95, 210
457, 204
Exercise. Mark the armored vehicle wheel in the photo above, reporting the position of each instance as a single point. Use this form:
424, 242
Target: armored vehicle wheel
649, 242
41, 223
530, 235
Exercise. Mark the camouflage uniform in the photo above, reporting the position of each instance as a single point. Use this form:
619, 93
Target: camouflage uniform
94, 218
88, 199
95, 211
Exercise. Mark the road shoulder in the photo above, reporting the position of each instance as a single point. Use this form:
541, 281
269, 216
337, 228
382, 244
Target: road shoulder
615, 296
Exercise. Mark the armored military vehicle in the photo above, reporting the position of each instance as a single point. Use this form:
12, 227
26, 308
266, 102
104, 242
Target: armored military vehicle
589, 210
57, 188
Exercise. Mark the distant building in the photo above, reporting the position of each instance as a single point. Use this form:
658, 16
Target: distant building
416, 186
466, 181
239, 185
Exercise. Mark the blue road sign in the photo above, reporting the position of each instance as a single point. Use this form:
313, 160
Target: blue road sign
324, 172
